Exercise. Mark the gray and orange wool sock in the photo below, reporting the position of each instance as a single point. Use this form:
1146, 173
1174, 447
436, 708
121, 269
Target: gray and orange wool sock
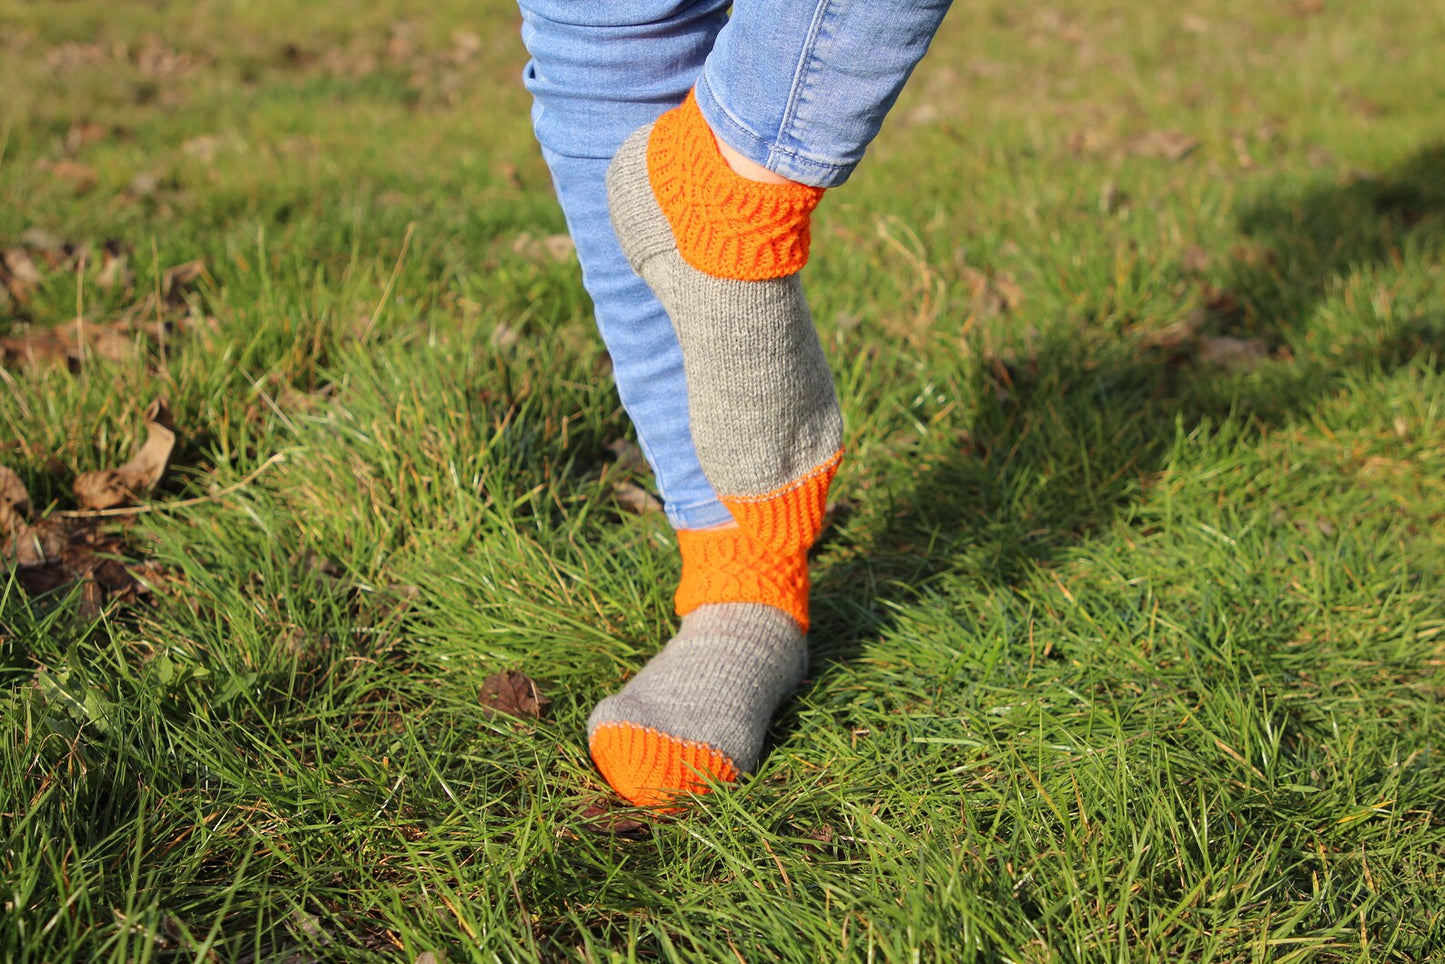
722, 253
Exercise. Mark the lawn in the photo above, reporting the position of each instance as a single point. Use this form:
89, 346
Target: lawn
1129, 630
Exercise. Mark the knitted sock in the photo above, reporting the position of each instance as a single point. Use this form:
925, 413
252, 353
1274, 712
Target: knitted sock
722, 254
701, 707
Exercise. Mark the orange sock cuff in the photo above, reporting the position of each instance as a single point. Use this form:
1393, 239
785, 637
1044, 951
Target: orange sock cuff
725, 565
725, 225
787, 520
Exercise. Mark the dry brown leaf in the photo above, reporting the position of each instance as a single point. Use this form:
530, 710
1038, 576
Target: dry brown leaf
176, 281
12, 521
143, 185
68, 343
109, 488
633, 498
1090, 140
82, 134
115, 268
56, 553
81, 176
514, 694
36, 545
19, 275
154, 59
39, 239
601, 819
66, 57
628, 456
33, 347
1232, 354
465, 47
14, 502
1170, 145
991, 293
558, 248
1184, 342
1195, 259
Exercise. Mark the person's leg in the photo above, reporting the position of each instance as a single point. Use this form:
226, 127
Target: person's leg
795, 90
599, 70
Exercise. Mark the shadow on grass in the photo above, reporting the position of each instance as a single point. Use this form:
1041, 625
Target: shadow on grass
1070, 437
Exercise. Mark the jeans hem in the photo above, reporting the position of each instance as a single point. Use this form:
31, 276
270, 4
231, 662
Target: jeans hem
698, 515
759, 150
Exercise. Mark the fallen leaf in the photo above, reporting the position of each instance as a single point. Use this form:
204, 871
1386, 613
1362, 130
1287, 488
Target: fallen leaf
603, 820
176, 280
68, 343
820, 841
14, 502
81, 176
1090, 140
57, 553
1195, 259
1171, 145
505, 338
628, 456
37, 545
558, 248
19, 274
40, 239
991, 293
154, 59
631, 497
12, 521
109, 488
514, 694
115, 268
82, 134
143, 185
400, 45
1232, 354
66, 57
465, 47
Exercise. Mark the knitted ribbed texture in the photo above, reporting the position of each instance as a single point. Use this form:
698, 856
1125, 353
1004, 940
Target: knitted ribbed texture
787, 521
726, 225
727, 565
703, 704
650, 768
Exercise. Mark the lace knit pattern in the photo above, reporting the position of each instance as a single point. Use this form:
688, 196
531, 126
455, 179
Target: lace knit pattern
726, 225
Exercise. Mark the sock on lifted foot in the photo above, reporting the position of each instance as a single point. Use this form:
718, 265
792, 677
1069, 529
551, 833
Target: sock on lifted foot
722, 253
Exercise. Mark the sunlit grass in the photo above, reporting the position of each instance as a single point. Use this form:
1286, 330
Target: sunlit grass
1128, 633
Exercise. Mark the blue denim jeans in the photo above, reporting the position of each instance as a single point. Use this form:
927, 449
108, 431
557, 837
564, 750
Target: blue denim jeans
799, 87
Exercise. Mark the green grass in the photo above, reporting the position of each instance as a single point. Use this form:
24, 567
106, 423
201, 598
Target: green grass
1119, 654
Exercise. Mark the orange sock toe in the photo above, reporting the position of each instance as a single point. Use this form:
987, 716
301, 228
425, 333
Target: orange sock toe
652, 769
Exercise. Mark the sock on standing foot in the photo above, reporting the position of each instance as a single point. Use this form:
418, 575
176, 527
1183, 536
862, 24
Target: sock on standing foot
700, 709
722, 253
